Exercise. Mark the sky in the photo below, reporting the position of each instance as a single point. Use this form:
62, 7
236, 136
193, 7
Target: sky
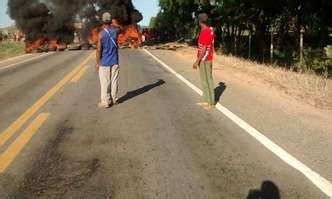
148, 8
4, 18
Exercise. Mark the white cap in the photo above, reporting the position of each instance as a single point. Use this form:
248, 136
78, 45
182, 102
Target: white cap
107, 17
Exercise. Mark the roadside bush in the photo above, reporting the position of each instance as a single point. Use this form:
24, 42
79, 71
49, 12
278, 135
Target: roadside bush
318, 61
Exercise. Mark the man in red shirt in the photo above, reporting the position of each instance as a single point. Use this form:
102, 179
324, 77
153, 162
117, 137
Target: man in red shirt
204, 60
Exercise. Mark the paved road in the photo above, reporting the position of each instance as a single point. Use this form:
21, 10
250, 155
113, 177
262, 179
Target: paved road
156, 144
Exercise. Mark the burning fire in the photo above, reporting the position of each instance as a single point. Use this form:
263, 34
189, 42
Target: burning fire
93, 37
53, 45
42, 44
130, 36
35, 45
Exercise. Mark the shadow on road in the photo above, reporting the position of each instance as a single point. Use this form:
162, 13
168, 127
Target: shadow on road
268, 190
219, 91
140, 91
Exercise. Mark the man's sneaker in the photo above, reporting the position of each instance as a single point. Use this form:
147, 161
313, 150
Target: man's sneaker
103, 105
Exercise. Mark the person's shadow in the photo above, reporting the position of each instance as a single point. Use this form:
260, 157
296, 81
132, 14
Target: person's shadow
268, 190
134, 93
219, 91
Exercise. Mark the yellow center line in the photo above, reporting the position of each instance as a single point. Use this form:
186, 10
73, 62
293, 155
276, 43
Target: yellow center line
16, 147
79, 75
19, 122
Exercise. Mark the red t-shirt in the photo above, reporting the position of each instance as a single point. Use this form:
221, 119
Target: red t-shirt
206, 38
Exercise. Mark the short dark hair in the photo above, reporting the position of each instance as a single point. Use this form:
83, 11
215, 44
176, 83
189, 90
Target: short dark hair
203, 18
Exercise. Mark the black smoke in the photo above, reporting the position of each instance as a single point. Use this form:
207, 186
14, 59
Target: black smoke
53, 19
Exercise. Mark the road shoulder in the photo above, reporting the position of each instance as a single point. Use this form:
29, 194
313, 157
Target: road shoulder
300, 131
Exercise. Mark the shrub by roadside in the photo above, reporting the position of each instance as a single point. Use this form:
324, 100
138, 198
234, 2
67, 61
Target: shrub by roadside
11, 49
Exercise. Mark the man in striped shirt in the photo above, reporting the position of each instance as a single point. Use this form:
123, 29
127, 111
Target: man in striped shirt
204, 60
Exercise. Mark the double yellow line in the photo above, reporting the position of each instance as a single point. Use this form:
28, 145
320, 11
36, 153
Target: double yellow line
79, 75
9, 155
16, 147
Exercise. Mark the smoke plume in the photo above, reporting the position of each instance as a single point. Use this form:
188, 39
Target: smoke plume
53, 19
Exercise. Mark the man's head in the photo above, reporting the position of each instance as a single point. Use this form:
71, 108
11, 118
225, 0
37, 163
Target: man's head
203, 19
107, 18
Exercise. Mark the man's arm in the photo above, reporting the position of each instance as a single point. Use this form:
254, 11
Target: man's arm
98, 53
199, 59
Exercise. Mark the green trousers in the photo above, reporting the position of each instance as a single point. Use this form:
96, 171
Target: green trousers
205, 69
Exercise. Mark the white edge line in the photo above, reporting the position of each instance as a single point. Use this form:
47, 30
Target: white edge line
323, 184
13, 58
24, 61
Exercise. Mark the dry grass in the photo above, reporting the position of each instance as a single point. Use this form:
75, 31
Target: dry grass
310, 88
11, 49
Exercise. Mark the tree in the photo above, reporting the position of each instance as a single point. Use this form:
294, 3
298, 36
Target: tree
235, 20
153, 22
176, 17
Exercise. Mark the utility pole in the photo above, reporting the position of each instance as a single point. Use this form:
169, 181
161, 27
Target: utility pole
271, 47
250, 37
235, 44
301, 44
250, 40
223, 36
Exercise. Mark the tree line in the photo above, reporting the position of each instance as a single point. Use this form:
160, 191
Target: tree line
292, 33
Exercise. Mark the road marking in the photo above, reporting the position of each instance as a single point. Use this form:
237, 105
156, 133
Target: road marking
13, 58
24, 61
16, 147
323, 184
9, 132
79, 75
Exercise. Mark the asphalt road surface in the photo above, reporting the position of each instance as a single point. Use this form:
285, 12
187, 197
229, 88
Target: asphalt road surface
157, 143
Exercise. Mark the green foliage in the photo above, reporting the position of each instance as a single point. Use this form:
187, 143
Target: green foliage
328, 52
234, 20
10, 49
153, 22
327, 64
176, 18
317, 60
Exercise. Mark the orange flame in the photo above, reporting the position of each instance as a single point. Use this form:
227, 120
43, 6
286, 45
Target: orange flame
131, 36
35, 45
93, 37
53, 45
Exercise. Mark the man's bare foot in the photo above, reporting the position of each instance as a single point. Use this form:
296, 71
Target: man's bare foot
205, 105
103, 105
